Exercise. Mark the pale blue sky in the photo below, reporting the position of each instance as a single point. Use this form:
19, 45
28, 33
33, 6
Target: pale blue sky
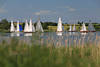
49, 10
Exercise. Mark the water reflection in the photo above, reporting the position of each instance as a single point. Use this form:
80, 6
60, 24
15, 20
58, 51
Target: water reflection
27, 34
17, 34
83, 33
56, 38
59, 33
12, 34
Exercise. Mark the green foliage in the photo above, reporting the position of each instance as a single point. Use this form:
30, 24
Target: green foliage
46, 24
4, 25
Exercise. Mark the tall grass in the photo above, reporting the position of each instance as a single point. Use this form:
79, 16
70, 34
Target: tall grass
21, 54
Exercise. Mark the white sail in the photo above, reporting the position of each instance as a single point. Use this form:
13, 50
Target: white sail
74, 28
17, 26
91, 27
83, 28
39, 27
30, 26
12, 28
59, 27
70, 28
33, 28
26, 28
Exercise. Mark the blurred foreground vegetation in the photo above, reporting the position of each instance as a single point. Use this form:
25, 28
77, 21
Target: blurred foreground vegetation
19, 54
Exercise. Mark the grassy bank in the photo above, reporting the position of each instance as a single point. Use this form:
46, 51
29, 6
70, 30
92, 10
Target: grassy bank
19, 54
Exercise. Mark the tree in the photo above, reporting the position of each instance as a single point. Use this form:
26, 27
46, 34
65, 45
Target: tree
4, 24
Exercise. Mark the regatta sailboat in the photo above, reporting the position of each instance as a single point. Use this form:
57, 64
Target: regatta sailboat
74, 28
39, 26
83, 28
91, 28
30, 26
33, 28
59, 27
70, 28
12, 28
26, 28
17, 27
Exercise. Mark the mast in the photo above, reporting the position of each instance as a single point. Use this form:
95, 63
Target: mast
12, 28
59, 27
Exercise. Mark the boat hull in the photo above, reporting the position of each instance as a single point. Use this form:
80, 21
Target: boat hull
27, 32
59, 31
92, 31
72, 31
84, 31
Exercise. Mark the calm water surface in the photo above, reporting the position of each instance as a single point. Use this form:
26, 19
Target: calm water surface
61, 38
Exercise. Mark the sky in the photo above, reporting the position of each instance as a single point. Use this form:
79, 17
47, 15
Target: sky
70, 11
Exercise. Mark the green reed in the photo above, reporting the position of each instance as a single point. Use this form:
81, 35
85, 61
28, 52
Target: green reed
20, 54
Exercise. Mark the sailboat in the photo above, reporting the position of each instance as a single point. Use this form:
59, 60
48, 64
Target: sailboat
12, 28
39, 26
83, 28
91, 28
70, 29
33, 28
30, 26
17, 27
59, 27
74, 28
26, 28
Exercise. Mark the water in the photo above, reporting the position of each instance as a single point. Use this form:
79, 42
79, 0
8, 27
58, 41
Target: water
54, 38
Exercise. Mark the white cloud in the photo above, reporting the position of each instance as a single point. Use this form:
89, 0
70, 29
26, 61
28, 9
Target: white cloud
71, 9
2, 10
44, 12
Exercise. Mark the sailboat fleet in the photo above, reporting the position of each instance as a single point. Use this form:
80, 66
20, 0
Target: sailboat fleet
30, 28
83, 29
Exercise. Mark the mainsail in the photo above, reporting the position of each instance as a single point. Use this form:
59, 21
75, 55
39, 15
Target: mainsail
17, 27
26, 28
91, 27
12, 28
74, 28
59, 27
39, 27
70, 28
83, 28
30, 26
33, 28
